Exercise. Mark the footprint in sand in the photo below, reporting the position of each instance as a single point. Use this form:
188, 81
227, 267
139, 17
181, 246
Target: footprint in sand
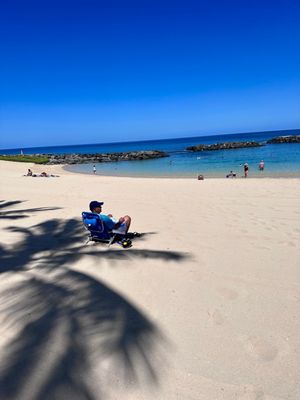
264, 248
250, 392
260, 349
287, 243
227, 293
217, 317
283, 224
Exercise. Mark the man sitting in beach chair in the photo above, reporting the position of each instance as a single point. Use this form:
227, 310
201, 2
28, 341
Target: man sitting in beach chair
104, 228
121, 225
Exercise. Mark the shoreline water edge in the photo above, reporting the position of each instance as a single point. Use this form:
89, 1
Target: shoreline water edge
211, 157
211, 175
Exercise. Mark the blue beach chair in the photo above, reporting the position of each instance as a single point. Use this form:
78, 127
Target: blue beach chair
98, 231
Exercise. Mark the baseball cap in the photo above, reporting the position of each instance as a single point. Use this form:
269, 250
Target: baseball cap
94, 204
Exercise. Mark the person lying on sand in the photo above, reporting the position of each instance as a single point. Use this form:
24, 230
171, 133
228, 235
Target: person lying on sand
42, 175
231, 175
45, 175
122, 224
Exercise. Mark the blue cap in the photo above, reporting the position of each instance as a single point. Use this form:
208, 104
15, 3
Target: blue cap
94, 204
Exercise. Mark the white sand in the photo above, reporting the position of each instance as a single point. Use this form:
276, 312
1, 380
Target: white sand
204, 306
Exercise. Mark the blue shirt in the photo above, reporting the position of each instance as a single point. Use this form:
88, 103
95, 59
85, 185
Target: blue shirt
108, 222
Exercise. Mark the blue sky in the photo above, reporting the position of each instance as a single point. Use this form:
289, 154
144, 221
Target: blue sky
93, 71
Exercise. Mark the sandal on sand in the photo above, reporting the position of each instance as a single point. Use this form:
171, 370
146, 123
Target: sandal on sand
136, 234
133, 235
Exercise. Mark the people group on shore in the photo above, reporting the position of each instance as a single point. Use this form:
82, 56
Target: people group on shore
200, 177
261, 167
41, 175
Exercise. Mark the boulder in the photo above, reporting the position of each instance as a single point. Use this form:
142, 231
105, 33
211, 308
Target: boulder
77, 158
284, 139
223, 146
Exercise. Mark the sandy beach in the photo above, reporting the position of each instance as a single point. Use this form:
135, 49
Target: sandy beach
204, 306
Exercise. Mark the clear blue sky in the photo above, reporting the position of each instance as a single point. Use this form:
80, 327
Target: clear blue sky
96, 71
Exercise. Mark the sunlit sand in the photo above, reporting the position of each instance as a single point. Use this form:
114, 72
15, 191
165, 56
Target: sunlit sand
205, 305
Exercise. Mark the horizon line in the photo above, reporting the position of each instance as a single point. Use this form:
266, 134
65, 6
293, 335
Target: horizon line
148, 140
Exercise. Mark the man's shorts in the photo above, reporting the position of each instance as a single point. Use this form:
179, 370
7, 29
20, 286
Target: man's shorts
122, 229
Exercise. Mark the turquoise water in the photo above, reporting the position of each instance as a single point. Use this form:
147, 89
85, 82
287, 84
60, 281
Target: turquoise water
280, 160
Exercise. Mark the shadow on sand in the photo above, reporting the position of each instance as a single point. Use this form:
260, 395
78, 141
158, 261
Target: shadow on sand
72, 336
21, 213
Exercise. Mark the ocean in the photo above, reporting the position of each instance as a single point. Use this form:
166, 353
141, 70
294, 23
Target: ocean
281, 160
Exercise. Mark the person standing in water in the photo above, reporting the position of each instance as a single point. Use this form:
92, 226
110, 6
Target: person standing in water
246, 169
261, 165
94, 168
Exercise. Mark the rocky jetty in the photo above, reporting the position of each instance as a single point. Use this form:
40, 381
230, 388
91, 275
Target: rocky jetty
285, 139
98, 157
223, 146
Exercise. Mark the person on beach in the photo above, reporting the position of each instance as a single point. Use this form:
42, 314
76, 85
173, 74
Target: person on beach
261, 165
94, 169
30, 173
246, 169
231, 175
122, 224
200, 177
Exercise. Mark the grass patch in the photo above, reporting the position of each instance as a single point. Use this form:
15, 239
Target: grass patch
20, 158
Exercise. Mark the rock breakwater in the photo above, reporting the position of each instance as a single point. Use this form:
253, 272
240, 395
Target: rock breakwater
285, 139
99, 157
223, 146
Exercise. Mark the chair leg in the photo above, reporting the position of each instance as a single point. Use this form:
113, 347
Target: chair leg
111, 240
88, 240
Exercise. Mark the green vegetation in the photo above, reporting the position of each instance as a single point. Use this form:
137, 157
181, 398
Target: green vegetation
20, 158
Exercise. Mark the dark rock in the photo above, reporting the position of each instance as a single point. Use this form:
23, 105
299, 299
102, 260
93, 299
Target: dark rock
223, 146
107, 157
284, 139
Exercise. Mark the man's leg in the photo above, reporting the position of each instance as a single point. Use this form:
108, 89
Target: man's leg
123, 225
127, 221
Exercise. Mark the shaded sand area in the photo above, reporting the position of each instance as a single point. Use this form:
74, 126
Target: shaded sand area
205, 305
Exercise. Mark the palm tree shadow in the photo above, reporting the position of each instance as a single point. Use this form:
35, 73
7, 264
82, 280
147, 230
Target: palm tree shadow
21, 213
71, 330
4, 203
55, 243
72, 323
